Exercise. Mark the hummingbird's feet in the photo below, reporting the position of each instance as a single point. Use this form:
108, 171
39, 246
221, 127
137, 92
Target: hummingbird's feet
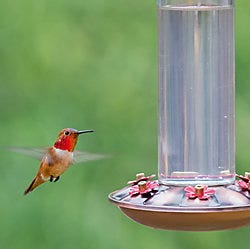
54, 179
57, 179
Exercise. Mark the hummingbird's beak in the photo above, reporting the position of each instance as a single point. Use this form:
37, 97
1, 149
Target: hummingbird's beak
84, 131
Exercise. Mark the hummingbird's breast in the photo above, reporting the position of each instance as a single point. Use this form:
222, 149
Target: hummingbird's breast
56, 162
63, 157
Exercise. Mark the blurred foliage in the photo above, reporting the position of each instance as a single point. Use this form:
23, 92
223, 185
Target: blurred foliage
91, 65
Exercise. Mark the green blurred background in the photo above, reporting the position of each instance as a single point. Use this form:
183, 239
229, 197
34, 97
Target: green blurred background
92, 65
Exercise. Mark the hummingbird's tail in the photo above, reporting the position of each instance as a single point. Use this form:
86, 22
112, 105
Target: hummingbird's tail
36, 182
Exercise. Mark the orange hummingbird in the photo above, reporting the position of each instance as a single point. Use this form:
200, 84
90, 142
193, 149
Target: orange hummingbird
58, 158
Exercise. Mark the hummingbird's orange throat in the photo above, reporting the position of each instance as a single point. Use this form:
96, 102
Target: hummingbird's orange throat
66, 143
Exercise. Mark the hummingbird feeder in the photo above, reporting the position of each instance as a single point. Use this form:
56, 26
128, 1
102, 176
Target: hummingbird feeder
197, 187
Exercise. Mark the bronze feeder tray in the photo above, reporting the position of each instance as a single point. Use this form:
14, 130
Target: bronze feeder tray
169, 208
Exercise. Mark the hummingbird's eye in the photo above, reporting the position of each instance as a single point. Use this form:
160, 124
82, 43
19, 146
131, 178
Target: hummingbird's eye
66, 133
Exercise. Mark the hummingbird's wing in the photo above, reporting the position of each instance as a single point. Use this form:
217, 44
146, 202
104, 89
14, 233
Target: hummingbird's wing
81, 156
37, 153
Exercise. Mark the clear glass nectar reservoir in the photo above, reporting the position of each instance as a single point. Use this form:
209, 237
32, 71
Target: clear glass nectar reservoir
196, 92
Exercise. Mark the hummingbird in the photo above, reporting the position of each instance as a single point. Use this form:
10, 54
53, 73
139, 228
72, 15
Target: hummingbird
57, 159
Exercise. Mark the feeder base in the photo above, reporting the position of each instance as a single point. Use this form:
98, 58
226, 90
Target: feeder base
169, 208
